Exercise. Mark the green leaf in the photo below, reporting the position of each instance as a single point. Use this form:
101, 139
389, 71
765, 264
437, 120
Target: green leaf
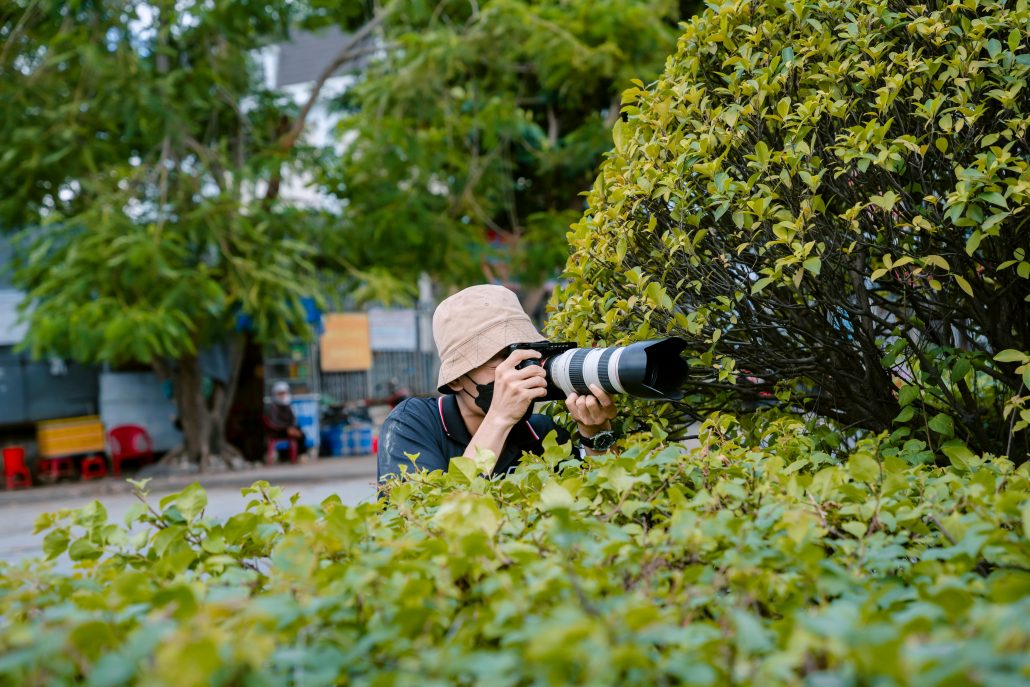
555, 497
1011, 355
760, 285
84, 550
751, 636
191, 501
619, 136
1026, 520
942, 424
863, 468
973, 242
855, 528
995, 199
960, 369
958, 453
55, 543
813, 265
905, 415
463, 469
961, 281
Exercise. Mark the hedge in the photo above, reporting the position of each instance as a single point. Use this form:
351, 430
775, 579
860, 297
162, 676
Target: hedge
771, 554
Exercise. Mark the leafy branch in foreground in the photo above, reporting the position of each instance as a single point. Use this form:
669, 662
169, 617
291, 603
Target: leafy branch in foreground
770, 555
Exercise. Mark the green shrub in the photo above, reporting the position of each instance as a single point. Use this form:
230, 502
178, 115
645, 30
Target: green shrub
754, 559
828, 200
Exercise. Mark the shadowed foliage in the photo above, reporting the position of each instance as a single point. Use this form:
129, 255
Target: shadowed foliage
828, 200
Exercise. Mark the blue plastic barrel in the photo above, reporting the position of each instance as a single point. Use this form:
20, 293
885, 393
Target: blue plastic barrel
363, 442
333, 436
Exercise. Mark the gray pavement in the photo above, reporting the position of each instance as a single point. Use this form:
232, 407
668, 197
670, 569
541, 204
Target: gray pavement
352, 479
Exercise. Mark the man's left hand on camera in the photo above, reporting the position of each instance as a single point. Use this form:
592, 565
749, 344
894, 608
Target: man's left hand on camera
592, 412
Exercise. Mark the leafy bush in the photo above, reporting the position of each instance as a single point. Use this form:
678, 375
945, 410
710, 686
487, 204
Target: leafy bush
828, 200
754, 559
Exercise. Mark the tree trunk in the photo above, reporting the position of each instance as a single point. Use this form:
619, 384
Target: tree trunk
222, 396
187, 382
203, 419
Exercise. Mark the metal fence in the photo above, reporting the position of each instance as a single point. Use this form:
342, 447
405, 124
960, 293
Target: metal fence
411, 369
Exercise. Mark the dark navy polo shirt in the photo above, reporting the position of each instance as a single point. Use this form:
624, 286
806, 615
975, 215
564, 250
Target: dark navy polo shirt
434, 429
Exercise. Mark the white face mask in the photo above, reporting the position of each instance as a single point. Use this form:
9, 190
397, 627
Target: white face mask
282, 399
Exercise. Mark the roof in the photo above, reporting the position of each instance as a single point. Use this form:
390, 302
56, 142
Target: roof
307, 54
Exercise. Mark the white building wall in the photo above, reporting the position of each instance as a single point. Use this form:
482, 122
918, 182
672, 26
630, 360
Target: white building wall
135, 398
11, 330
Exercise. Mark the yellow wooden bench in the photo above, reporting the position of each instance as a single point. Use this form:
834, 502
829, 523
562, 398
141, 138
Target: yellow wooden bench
70, 436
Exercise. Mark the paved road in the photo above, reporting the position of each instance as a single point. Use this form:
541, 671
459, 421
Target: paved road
352, 481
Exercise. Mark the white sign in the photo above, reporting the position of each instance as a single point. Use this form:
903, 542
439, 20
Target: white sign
393, 329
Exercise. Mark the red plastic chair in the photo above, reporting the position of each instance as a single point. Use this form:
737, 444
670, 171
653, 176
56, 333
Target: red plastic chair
128, 442
16, 474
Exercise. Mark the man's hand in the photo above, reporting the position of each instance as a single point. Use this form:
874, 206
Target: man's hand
515, 390
593, 413
294, 433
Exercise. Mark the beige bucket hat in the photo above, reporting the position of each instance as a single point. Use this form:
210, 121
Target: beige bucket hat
474, 325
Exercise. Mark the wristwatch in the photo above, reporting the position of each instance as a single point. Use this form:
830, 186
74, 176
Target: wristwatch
601, 441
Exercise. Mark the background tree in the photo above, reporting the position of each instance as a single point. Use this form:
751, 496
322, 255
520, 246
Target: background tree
472, 134
141, 159
829, 201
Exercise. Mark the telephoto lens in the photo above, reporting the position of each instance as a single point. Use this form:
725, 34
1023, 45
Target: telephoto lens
646, 369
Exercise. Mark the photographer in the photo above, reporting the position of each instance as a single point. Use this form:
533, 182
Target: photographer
487, 400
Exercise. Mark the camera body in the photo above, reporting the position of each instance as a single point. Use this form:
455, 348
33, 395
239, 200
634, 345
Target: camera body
646, 369
546, 349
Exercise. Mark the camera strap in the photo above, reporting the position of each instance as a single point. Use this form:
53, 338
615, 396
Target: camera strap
450, 417
443, 419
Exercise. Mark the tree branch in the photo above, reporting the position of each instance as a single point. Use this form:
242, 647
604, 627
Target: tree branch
346, 53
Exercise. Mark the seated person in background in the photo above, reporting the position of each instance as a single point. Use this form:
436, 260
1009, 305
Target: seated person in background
280, 422
487, 403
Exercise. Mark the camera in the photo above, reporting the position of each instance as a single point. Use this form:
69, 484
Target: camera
646, 369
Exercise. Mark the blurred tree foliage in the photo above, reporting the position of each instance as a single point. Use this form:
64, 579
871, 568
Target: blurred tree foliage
141, 161
472, 134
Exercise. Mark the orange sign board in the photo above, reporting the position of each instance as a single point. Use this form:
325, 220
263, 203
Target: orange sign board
345, 344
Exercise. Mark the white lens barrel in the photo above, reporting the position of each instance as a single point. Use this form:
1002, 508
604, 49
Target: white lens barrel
613, 370
646, 369
591, 368
575, 370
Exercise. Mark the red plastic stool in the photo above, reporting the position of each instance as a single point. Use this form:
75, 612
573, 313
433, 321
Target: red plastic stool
94, 467
57, 467
15, 473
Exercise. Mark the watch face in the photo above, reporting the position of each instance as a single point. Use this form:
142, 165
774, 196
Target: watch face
604, 440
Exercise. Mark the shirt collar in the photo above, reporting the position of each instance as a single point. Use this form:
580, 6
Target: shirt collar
453, 422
